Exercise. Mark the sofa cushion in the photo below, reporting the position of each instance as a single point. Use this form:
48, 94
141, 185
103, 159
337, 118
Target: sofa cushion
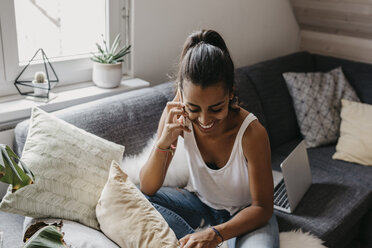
127, 119
355, 143
335, 203
277, 104
358, 74
317, 102
128, 218
70, 167
75, 234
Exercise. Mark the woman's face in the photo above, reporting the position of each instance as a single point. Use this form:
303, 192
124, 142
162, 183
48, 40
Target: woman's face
207, 108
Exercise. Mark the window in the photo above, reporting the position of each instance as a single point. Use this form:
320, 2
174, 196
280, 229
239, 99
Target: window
67, 30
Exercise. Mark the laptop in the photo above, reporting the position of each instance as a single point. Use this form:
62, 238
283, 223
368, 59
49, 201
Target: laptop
294, 180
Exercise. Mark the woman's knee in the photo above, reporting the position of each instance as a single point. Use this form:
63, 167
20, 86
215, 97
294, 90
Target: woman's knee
265, 237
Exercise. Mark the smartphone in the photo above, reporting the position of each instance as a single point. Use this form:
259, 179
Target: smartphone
185, 120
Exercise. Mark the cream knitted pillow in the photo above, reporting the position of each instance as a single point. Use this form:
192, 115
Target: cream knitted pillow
70, 166
128, 218
355, 142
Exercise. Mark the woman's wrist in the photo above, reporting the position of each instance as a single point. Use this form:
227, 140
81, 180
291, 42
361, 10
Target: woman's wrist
162, 145
217, 235
162, 148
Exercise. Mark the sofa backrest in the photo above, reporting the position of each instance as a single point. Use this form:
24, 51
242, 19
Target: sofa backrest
248, 95
129, 119
281, 122
358, 74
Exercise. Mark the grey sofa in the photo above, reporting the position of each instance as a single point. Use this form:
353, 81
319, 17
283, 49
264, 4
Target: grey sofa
338, 206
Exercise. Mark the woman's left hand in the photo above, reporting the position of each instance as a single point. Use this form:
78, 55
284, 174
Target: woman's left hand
203, 239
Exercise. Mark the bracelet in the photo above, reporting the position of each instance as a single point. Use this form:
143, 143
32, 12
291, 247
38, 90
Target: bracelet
218, 234
170, 149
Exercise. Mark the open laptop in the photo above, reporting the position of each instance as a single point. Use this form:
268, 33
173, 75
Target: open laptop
294, 180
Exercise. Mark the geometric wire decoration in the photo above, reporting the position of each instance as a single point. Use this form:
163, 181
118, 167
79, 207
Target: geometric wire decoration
28, 83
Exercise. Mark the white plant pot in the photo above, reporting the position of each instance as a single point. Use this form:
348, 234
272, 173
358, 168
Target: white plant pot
107, 75
42, 88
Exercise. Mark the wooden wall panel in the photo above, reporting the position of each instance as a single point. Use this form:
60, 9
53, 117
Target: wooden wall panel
347, 47
335, 22
341, 28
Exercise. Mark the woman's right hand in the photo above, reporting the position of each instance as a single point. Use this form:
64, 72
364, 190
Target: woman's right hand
174, 122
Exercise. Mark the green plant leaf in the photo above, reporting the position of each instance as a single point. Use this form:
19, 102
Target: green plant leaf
115, 44
100, 48
105, 43
110, 56
18, 175
124, 51
97, 58
48, 236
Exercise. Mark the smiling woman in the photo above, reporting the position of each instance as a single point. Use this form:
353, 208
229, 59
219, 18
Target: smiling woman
227, 152
208, 107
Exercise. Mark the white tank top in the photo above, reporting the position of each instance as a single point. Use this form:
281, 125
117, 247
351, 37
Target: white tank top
226, 188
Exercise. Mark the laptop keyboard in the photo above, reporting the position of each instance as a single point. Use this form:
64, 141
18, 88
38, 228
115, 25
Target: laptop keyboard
280, 195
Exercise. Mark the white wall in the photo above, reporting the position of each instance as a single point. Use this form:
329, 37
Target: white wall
254, 30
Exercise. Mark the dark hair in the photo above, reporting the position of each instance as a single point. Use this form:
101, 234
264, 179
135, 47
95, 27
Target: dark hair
205, 61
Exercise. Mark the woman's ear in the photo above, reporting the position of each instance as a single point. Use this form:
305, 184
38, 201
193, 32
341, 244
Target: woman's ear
232, 93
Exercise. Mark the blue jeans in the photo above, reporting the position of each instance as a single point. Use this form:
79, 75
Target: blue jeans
184, 212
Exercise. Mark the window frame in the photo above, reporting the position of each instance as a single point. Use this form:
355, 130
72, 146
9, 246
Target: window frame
69, 71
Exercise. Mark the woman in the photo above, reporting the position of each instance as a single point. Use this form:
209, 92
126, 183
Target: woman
228, 154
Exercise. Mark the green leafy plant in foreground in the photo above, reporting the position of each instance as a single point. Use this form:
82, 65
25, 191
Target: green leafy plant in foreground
49, 237
11, 172
111, 55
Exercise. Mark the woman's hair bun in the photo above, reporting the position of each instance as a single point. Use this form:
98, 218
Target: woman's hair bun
205, 61
210, 37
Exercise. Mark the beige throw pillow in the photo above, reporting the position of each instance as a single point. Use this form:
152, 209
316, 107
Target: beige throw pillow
70, 166
128, 218
355, 142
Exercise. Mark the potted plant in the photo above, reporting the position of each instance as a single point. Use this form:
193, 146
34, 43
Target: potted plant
107, 64
41, 84
12, 170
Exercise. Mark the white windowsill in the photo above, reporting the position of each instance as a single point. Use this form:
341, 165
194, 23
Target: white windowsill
13, 111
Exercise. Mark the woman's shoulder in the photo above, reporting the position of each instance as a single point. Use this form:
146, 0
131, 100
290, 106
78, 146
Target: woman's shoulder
255, 131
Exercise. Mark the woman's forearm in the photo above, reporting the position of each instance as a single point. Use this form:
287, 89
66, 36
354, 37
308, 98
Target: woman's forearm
245, 221
153, 173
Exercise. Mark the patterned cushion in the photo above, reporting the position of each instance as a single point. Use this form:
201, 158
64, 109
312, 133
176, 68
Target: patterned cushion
317, 102
71, 167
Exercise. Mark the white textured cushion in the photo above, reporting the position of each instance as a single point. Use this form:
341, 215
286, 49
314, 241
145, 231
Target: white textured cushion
178, 170
75, 234
355, 142
128, 218
70, 166
317, 102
